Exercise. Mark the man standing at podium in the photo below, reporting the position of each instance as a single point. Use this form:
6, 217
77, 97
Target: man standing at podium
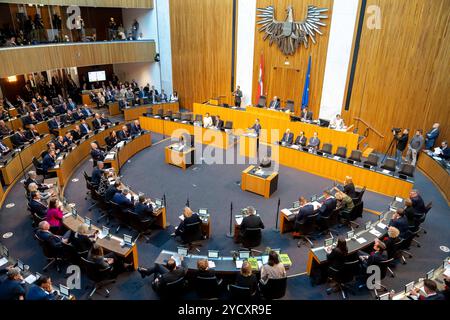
257, 128
237, 97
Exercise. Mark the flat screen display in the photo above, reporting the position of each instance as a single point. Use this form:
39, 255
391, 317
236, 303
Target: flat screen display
97, 76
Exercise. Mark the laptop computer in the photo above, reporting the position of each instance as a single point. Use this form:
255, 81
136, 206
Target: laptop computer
63, 293
182, 251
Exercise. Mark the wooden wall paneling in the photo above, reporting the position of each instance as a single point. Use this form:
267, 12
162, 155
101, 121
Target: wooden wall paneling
402, 77
149, 4
291, 87
22, 60
201, 35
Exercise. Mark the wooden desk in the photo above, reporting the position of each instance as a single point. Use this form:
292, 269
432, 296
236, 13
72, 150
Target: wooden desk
14, 123
264, 186
276, 120
85, 99
77, 155
62, 131
23, 160
109, 244
136, 112
113, 109
330, 168
248, 146
13, 112
2, 195
126, 152
436, 172
183, 159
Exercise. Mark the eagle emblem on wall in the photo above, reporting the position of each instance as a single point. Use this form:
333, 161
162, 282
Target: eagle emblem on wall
290, 34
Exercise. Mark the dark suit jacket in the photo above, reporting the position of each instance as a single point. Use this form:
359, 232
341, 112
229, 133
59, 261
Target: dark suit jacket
375, 258
305, 212
349, 190
97, 155
174, 275
36, 293
257, 128
110, 192
288, 138
97, 123
111, 142
83, 129
135, 129
76, 135
274, 105
247, 282
38, 208
52, 124
301, 141
336, 258
252, 221
47, 163
144, 211
122, 135
418, 204
30, 135
327, 207
122, 200
401, 224
96, 176
17, 140
27, 121
219, 124
306, 115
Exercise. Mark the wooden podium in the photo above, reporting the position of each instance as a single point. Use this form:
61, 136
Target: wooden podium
262, 185
182, 159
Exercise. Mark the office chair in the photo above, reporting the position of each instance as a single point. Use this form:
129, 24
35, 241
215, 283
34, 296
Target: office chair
389, 165
421, 217
341, 152
343, 277
355, 213
407, 170
149, 112
69, 253
176, 116
120, 215
262, 102
360, 195
143, 227
326, 148
273, 288
172, 289
306, 228
372, 160
38, 167
53, 255
191, 234
383, 272
208, 287
228, 125
251, 238
168, 115
240, 293
329, 222
198, 118
395, 253
97, 274
290, 105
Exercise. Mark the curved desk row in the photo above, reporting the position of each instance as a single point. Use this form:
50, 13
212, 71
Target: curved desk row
23, 159
438, 171
136, 112
16, 123
66, 166
276, 120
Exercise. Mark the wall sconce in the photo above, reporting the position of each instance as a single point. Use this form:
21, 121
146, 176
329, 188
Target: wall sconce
12, 79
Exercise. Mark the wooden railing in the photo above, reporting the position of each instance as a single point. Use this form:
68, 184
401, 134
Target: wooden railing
368, 128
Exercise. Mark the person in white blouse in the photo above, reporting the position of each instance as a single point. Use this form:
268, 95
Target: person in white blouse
337, 123
274, 269
174, 97
207, 121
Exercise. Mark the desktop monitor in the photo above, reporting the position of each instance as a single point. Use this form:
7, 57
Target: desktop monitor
430, 274
105, 231
182, 251
243, 255
88, 221
127, 239
409, 287
213, 254
328, 242
20, 265
296, 205
64, 291
202, 211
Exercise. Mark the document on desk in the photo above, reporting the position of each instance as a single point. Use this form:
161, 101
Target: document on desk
447, 272
381, 225
30, 279
287, 212
375, 232
211, 264
110, 156
361, 240
181, 218
295, 147
386, 171
3, 261
239, 220
239, 264
120, 144
316, 205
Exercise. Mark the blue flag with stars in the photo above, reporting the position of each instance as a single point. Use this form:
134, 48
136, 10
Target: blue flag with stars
305, 99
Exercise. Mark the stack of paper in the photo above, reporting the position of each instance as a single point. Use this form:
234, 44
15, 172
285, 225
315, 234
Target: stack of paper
211, 264
287, 212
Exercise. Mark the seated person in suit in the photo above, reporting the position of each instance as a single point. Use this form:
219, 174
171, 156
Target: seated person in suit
400, 221
410, 214
391, 240
68, 139
246, 278
76, 133
104, 182
301, 140
69, 118
122, 199
274, 269
218, 124
338, 256
32, 187
144, 209
326, 209
105, 120
314, 141
86, 111
41, 290
123, 134
60, 144
112, 190
251, 221
19, 139
377, 256
32, 134
112, 140
165, 274
55, 215
84, 128
288, 137
30, 119
54, 124
4, 150
4, 130
83, 239
189, 218
275, 104
135, 128
443, 152
71, 105
430, 288
349, 187
77, 115
48, 237
306, 115
49, 161
337, 123
97, 122
96, 153
32, 176
203, 269
207, 121
97, 174
306, 210
12, 288
417, 202
50, 112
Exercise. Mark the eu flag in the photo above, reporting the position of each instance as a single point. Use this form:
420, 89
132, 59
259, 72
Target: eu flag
305, 99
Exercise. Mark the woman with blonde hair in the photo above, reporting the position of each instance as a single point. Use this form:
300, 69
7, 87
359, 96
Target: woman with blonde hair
246, 278
33, 187
82, 240
391, 241
349, 187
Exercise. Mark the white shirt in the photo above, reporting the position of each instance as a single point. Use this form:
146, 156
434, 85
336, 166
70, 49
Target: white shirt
207, 122
173, 98
337, 123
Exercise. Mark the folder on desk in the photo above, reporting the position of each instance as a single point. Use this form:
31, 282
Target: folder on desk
285, 260
254, 263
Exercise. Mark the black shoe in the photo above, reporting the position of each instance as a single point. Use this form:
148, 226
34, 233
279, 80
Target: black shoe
142, 271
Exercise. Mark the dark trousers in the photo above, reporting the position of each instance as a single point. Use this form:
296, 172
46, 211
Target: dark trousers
157, 269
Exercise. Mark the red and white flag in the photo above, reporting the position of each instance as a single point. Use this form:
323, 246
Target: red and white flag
260, 79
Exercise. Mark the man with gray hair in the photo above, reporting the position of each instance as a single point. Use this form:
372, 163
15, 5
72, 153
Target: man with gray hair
12, 288
253, 222
32, 176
